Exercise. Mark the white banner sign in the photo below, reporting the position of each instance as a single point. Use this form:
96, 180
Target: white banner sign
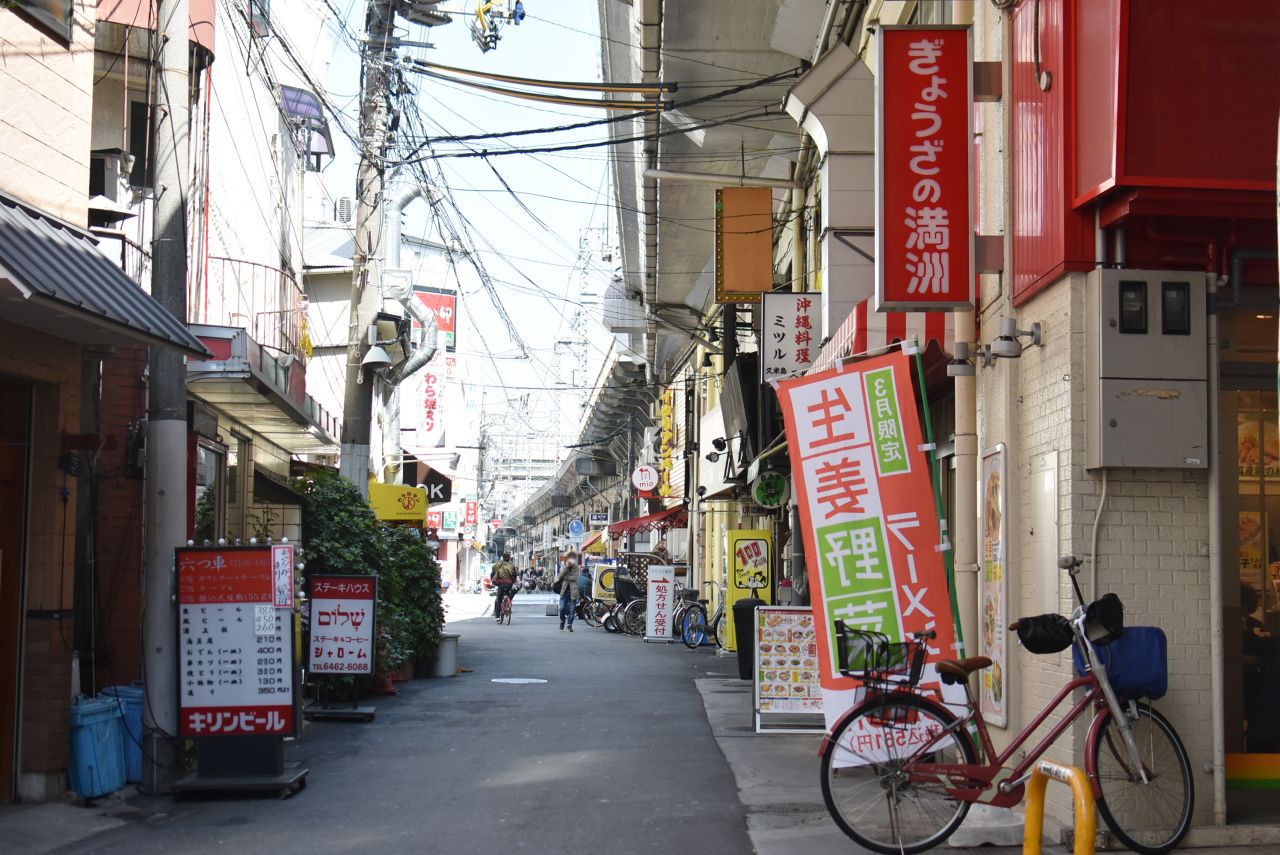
661, 604
789, 337
342, 624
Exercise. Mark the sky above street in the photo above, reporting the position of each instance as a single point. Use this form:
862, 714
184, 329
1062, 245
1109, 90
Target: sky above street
524, 215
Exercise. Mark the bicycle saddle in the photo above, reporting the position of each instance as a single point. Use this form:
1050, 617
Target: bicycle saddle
954, 671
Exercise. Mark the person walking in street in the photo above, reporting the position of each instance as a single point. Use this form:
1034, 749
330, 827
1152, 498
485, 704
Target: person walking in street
503, 575
567, 583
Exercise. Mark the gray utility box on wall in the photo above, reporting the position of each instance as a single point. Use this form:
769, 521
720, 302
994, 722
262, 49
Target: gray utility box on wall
1145, 370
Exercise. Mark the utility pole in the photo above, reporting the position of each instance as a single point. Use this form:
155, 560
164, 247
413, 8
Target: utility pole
166, 490
366, 267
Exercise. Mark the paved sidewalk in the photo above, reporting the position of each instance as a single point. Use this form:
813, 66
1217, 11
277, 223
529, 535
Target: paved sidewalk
777, 778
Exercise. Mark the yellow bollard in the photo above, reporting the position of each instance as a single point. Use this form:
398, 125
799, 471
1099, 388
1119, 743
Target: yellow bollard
1086, 824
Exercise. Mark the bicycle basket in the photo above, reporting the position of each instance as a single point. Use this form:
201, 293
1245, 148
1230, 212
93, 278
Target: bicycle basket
873, 658
1137, 663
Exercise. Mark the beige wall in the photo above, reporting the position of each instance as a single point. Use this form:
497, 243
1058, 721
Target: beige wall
46, 87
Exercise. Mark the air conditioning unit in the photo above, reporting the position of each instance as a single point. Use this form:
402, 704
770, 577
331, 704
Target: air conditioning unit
344, 209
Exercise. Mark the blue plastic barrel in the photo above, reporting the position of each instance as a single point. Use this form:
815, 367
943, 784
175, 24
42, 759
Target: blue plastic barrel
97, 747
131, 700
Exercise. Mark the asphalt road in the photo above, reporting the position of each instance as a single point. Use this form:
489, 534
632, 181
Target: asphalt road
613, 752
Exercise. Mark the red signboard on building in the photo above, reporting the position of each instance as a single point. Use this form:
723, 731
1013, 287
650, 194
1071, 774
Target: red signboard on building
443, 304
234, 644
471, 513
924, 169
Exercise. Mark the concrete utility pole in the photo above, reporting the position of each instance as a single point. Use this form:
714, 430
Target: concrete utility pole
366, 278
166, 513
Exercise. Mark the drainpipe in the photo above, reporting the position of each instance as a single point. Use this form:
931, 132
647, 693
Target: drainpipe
425, 342
1238, 259
1216, 655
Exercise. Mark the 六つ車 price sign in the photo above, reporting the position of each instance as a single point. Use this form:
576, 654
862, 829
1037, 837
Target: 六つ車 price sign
871, 533
342, 624
234, 644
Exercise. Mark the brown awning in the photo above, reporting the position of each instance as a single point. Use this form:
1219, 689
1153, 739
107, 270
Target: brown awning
676, 517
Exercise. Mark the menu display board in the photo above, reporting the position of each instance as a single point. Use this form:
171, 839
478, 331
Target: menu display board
787, 686
235, 647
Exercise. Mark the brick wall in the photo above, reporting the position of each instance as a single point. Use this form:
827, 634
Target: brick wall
1151, 534
119, 522
46, 692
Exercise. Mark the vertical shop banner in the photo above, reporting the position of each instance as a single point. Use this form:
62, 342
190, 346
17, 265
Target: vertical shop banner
443, 304
993, 589
660, 608
924, 168
282, 576
342, 624
235, 655
871, 534
790, 335
750, 572
667, 440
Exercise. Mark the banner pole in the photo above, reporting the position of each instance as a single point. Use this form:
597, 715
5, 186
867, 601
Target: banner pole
936, 473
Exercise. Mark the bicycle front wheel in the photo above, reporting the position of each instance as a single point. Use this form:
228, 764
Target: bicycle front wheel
717, 630
633, 617
1150, 817
594, 611
870, 780
693, 629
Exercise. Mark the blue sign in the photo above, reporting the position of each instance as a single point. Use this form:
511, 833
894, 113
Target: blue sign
576, 528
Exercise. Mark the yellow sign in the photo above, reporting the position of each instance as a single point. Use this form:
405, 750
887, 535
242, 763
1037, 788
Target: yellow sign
398, 502
594, 544
668, 439
750, 572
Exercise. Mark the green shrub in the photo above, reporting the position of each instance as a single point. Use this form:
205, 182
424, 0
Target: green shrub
341, 535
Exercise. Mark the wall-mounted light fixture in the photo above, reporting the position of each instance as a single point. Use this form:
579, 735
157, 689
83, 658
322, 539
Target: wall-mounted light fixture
960, 364
1007, 344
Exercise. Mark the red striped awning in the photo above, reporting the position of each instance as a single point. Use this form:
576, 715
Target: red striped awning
867, 332
676, 517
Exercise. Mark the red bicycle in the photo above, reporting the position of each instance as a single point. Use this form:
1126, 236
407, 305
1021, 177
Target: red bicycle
900, 770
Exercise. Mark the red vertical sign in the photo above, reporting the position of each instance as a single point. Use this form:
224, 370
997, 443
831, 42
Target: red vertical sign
924, 169
471, 514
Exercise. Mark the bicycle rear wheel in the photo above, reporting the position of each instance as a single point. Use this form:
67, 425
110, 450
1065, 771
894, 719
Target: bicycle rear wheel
717, 629
867, 778
633, 617
1150, 817
506, 611
693, 629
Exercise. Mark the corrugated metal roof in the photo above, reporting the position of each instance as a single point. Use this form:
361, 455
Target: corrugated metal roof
50, 260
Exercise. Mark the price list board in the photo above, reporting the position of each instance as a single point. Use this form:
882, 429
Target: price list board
234, 645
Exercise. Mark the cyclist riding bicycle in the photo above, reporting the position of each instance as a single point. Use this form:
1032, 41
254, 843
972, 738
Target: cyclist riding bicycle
503, 575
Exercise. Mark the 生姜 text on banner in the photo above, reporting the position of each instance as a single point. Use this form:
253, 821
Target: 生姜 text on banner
873, 544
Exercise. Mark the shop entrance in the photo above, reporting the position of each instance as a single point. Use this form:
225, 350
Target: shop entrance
1250, 487
15, 442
